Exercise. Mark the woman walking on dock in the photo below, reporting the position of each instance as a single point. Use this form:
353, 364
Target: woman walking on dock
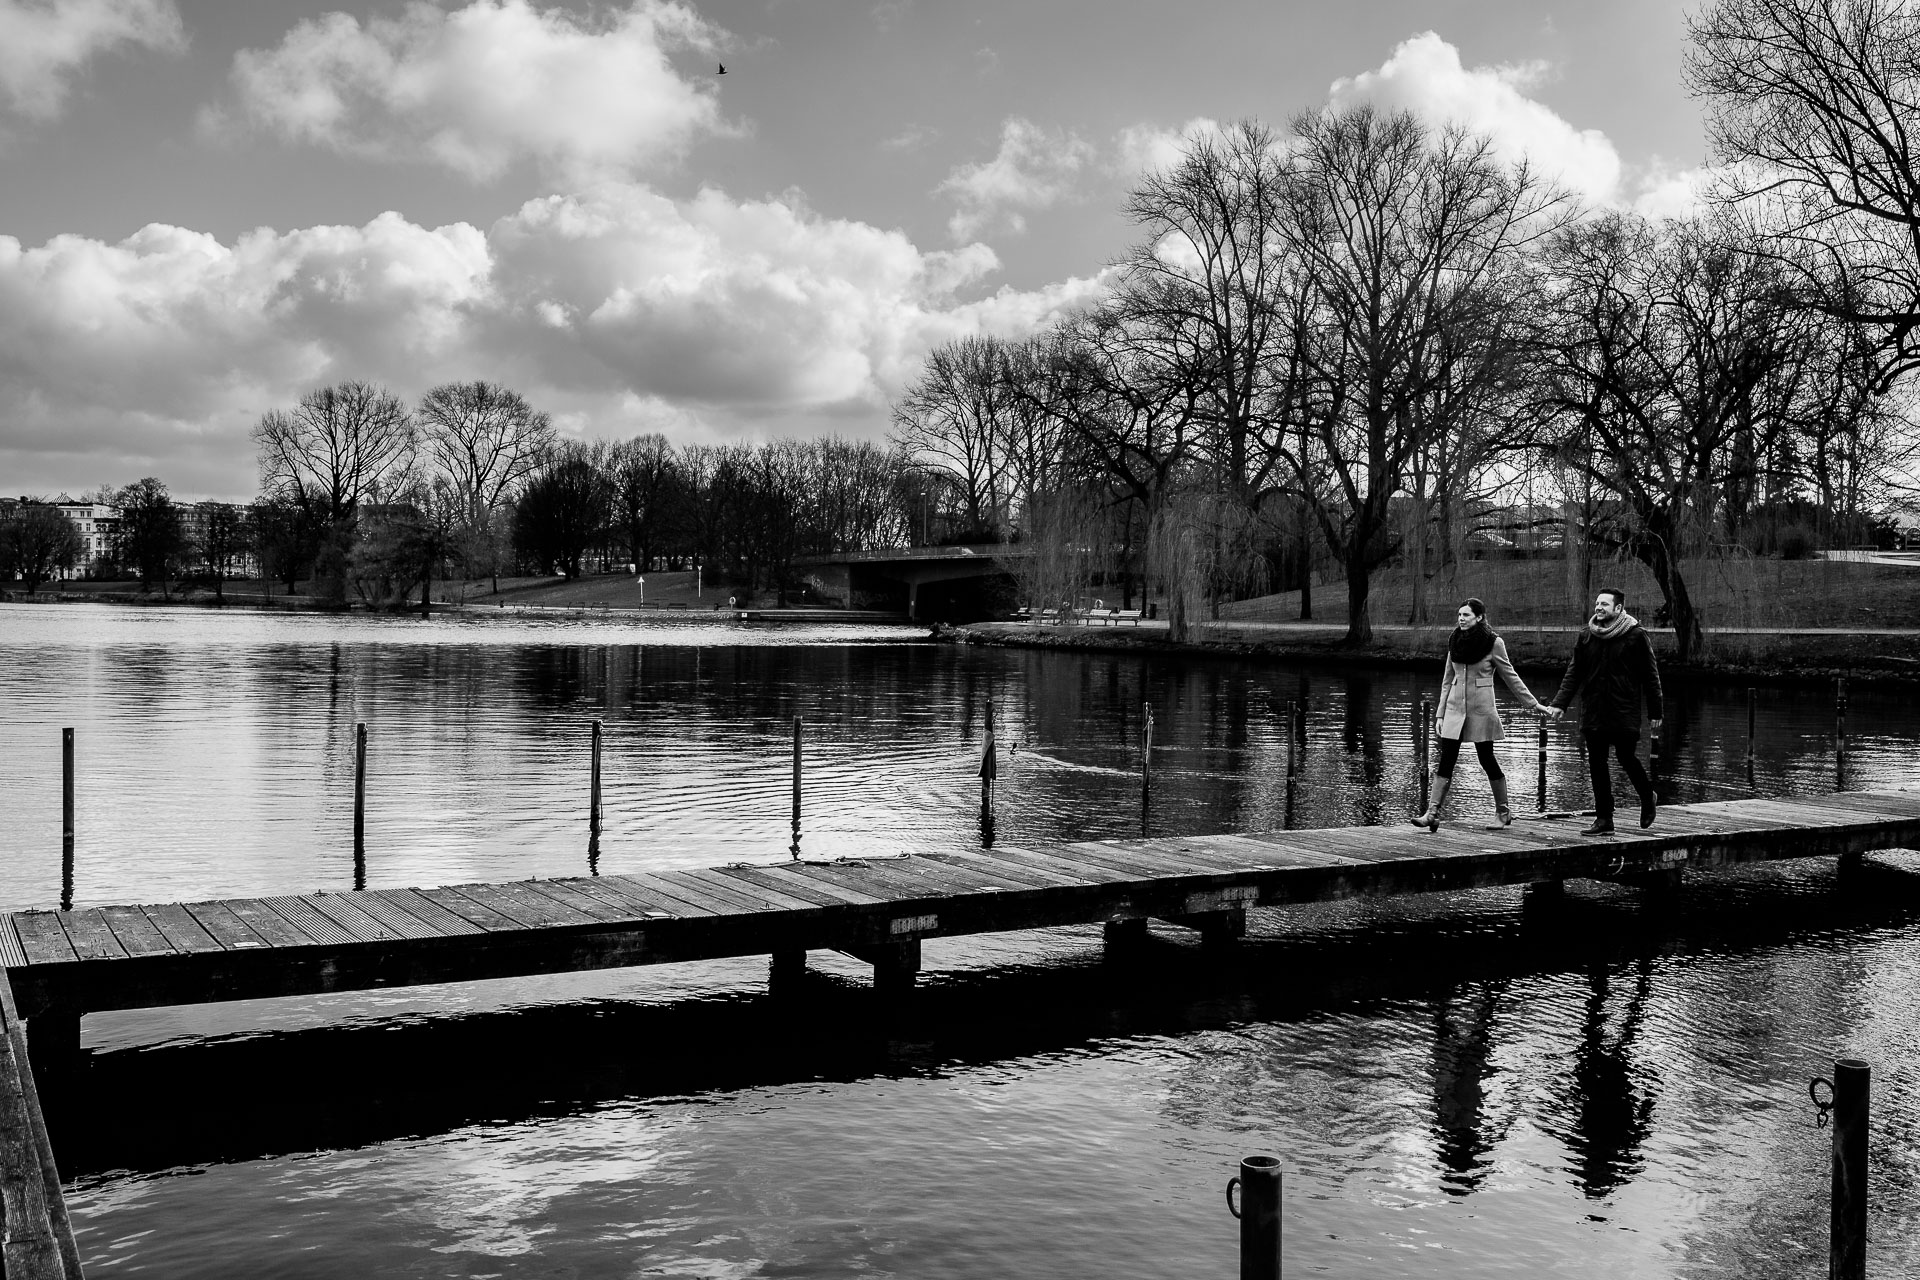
1467, 711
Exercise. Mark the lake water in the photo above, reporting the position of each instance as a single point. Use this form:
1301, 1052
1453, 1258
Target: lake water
1457, 1086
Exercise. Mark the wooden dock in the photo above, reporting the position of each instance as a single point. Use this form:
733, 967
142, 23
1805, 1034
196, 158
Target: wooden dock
61, 965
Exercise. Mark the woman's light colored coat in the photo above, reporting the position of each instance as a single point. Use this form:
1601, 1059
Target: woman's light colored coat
1467, 710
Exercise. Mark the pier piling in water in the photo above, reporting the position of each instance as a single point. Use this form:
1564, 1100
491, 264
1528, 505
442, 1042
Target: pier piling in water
797, 730
1146, 765
1259, 1214
593, 799
359, 794
1423, 744
66, 819
1847, 1252
1840, 734
1540, 796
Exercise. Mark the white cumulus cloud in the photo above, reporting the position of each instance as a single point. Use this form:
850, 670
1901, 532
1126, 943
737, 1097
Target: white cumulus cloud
1425, 75
618, 310
1145, 147
480, 88
45, 43
1033, 169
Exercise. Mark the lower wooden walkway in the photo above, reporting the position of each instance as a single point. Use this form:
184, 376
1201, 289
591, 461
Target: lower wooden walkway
60, 965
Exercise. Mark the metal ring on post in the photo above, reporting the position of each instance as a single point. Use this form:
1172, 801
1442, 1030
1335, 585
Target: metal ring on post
1821, 1110
1231, 1184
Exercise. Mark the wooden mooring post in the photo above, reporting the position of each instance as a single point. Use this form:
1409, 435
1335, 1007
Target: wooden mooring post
1540, 793
66, 819
359, 792
1847, 1228
593, 796
1423, 745
1293, 761
1259, 1214
1146, 766
1753, 719
1840, 734
797, 732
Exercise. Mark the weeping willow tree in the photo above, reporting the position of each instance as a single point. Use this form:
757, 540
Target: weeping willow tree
1070, 535
1203, 547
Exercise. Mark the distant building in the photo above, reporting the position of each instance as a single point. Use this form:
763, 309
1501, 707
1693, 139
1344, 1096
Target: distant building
99, 527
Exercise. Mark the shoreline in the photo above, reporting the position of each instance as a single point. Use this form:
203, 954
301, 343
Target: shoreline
1783, 657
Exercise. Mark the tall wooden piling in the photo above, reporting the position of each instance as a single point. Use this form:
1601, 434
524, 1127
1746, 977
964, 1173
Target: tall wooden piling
359, 790
1146, 765
1425, 750
1840, 734
1847, 1251
1259, 1214
593, 796
66, 819
797, 731
1540, 796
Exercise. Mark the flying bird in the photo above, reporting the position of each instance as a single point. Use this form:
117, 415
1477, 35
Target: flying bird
722, 71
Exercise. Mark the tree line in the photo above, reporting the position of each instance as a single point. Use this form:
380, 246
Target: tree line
1360, 339
364, 491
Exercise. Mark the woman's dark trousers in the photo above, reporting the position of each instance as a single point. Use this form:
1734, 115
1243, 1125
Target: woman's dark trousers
1625, 746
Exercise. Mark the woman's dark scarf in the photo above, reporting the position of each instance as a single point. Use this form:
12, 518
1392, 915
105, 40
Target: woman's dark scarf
1467, 646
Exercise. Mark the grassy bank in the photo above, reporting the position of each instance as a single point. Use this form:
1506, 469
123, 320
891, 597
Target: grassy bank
1731, 592
1777, 658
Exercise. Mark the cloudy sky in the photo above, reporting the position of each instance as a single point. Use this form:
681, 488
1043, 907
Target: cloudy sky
207, 208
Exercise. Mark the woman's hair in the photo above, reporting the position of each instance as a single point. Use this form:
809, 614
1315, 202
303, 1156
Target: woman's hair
1478, 606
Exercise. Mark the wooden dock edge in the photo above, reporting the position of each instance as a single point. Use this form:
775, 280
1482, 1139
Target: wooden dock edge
36, 1235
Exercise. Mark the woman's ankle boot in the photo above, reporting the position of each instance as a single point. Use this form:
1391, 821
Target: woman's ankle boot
1431, 818
1500, 809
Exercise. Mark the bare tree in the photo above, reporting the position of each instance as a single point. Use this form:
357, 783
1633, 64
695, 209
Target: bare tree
563, 510
37, 541
1205, 274
485, 440
644, 477
152, 536
1813, 107
1401, 231
226, 536
339, 445
954, 417
1661, 343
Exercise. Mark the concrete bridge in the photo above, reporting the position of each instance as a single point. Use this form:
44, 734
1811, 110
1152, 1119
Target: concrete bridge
869, 578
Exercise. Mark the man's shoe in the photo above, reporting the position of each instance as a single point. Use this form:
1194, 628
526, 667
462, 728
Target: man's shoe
1646, 811
1600, 827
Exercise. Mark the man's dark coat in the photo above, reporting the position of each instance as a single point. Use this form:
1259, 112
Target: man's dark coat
1616, 677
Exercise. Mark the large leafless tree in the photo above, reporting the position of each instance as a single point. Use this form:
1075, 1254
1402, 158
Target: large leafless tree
1405, 235
339, 447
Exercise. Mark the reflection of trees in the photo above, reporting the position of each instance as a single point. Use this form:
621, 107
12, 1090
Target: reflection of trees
1613, 1107
1462, 1061
1362, 734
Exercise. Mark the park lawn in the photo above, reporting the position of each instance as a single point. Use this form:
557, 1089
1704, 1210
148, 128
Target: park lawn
1728, 593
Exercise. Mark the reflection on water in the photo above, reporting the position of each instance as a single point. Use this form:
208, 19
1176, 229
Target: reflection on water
1461, 1085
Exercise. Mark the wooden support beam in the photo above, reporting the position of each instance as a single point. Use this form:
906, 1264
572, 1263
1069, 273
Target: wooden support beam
1124, 936
786, 970
53, 1043
1218, 929
895, 964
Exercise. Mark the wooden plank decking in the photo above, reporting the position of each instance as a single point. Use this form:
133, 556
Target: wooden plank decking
36, 1239
66, 963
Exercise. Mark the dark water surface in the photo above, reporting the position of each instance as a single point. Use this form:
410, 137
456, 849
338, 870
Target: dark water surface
1457, 1086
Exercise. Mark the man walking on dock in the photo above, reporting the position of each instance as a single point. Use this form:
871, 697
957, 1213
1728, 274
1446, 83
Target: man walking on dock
1615, 674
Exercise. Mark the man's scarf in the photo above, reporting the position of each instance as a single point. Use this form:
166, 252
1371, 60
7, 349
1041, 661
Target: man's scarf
1621, 624
1470, 644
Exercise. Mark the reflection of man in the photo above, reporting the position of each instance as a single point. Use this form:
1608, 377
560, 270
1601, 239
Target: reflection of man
1614, 673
